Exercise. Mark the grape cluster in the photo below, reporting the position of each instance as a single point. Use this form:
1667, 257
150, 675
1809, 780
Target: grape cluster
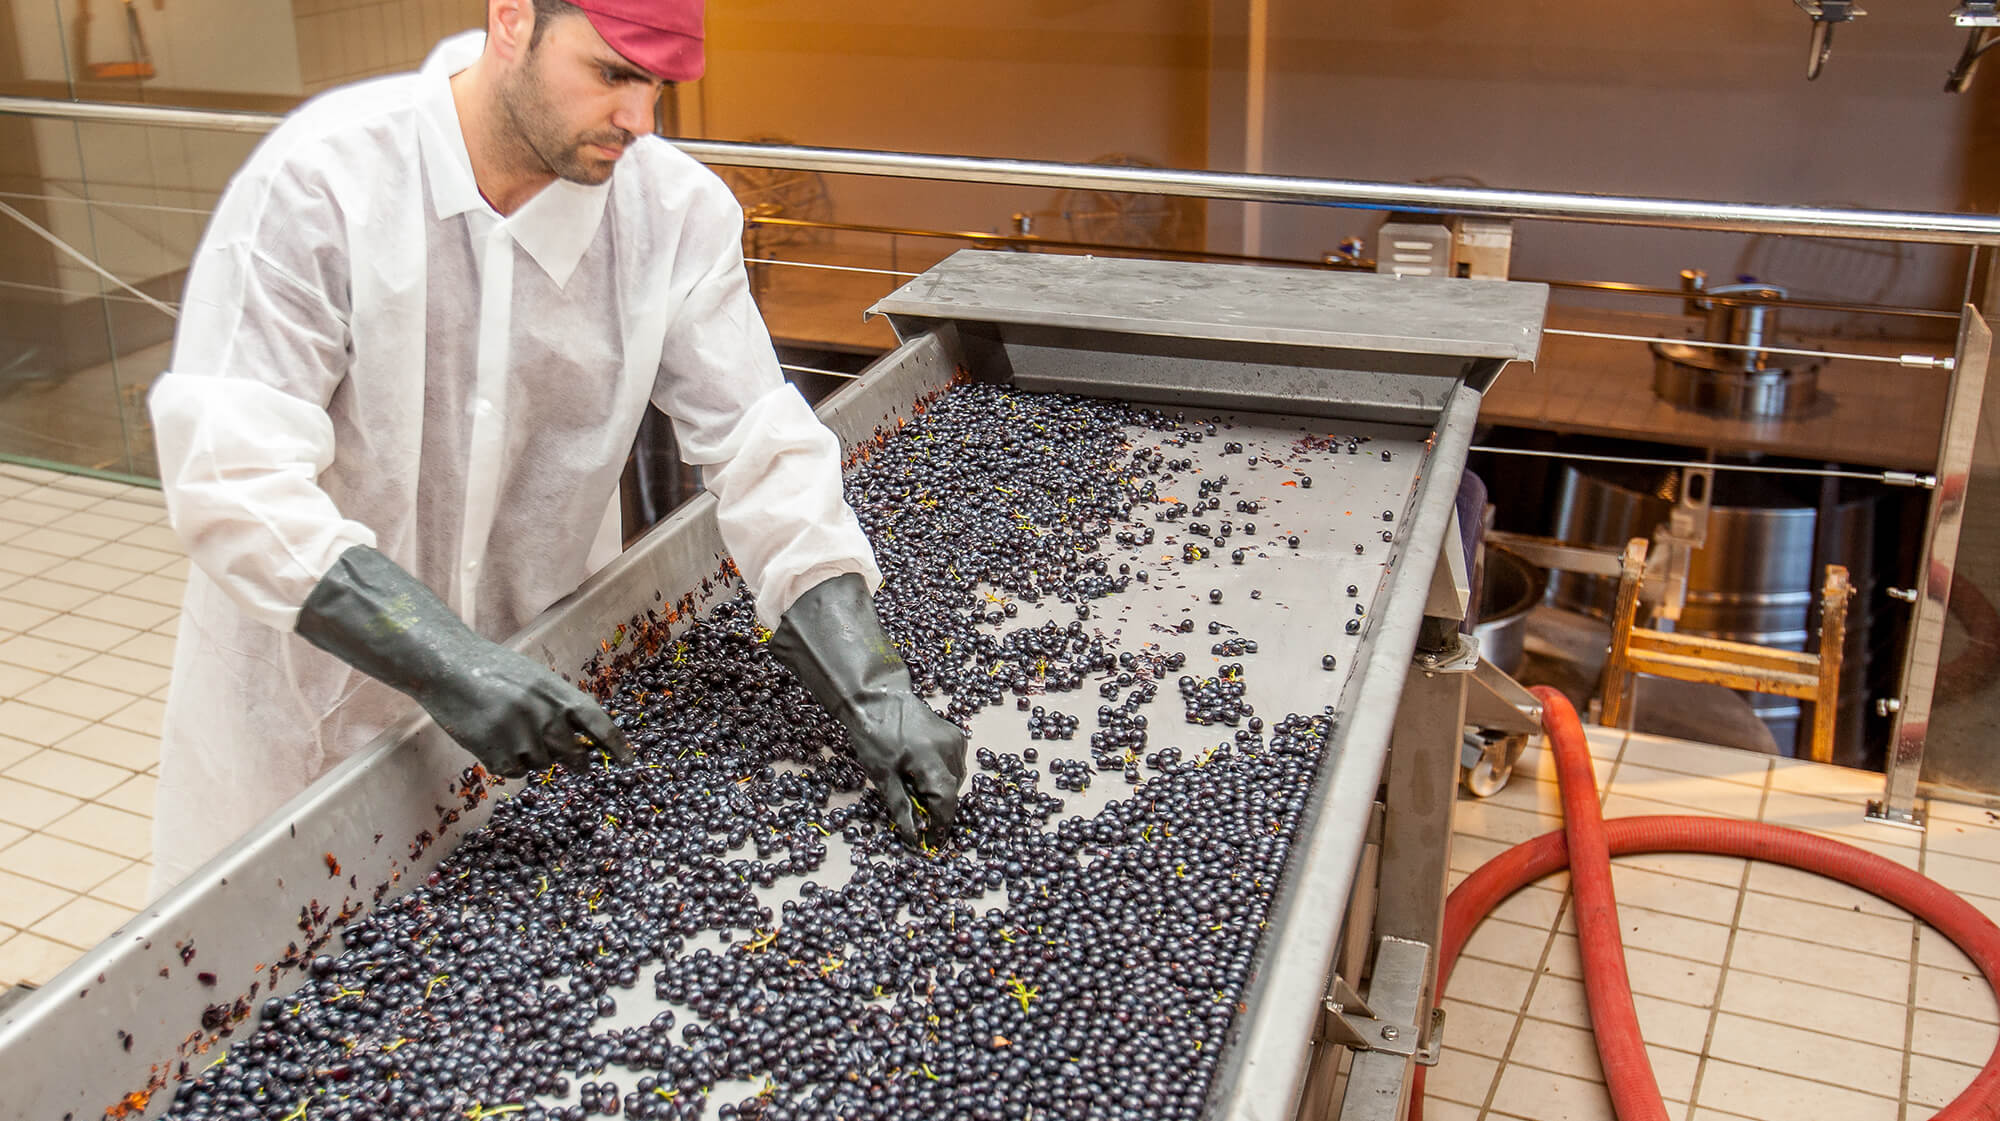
1036, 965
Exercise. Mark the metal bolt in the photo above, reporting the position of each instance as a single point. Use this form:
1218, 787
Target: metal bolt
1389, 1031
1888, 705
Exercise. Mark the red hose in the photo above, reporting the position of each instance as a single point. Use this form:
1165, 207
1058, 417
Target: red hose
1628, 1074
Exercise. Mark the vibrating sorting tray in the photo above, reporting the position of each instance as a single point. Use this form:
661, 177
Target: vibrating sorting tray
1339, 408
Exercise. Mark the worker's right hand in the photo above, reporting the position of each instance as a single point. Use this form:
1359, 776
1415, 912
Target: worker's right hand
508, 710
832, 639
515, 716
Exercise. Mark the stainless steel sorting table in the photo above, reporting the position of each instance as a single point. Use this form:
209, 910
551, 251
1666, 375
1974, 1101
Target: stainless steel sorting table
1391, 369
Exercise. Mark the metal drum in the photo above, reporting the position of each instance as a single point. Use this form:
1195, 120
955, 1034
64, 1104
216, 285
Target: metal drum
1756, 580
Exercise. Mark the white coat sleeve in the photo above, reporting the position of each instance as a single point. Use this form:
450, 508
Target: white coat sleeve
240, 420
773, 467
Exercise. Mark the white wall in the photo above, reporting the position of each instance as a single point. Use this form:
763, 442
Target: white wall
1699, 99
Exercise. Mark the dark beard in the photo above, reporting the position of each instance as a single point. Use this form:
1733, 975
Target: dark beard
538, 129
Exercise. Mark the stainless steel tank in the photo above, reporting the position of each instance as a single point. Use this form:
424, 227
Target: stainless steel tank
1756, 580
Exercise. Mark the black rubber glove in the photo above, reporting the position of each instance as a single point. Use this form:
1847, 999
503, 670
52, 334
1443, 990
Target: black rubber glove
832, 639
508, 710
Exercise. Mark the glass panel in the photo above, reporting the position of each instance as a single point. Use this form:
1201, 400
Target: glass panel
98, 223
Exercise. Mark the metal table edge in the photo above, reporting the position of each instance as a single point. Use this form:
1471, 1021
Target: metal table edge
1305, 922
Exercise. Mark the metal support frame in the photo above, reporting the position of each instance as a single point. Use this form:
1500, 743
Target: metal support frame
1733, 665
1898, 805
1393, 1028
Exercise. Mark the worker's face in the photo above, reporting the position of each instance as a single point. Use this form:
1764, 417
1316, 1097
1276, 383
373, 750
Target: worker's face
576, 103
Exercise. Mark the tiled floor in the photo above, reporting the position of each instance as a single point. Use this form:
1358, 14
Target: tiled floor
1764, 993
90, 592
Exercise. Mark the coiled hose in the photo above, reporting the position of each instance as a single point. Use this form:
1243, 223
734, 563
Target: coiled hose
1628, 1073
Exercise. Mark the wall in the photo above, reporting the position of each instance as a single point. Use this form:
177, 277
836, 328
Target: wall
1685, 98
1037, 79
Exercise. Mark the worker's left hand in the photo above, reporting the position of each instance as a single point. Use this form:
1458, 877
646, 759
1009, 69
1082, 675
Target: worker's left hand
832, 639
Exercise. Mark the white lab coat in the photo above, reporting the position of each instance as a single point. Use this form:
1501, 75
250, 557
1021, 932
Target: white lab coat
368, 354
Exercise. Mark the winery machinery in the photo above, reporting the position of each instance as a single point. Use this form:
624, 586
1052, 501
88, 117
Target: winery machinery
1363, 388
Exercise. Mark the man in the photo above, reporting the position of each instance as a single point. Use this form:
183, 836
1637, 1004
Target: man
417, 340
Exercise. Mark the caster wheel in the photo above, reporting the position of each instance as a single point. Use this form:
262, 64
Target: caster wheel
1485, 778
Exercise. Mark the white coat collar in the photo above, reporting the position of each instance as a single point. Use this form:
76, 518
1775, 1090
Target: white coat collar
555, 227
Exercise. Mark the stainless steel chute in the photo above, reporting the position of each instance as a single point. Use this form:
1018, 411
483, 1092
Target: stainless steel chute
1290, 359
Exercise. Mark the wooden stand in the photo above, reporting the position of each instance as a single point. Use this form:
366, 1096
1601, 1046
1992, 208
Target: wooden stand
1734, 665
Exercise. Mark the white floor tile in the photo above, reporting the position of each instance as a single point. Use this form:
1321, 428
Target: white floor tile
35, 724
1481, 819
156, 589
154, 649
63, 773
1843, 820
1527, 1092
1651, 974
142, 716
135, 794
1967, 841
1936, 1082
1775, 879
133, 508
1964, 874
128, 888
1507, 943
1773, 955
12, 751
50, 539
20, 617
76, 698
40, 653
1479, 1029
1933, 948
1961, 994
115, 746
1623, 801
65, 864
25, 902
1675, 895
83, 922
91, 523
1492, 984
30, 513
1653, 791
156, 537
87, 573
32, 807
1783, 1001
82, 631
1751, 1092
130, 676
1956, 1038
136, 559
130, 612
1832, 926
1459, 1076
1837, 1058
101, 827
1722, 871
16, 680
32, 959
1544, 798
16, 557
1707, 760
1534, 906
